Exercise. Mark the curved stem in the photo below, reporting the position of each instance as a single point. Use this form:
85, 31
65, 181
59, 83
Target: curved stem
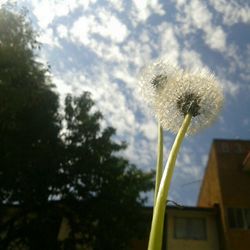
155, 239
159, 164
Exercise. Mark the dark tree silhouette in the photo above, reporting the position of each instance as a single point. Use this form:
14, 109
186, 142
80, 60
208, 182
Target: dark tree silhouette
58, 170
29, 121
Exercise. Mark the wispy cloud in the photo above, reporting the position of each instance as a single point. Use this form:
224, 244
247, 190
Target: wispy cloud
195, 16
49, 38
232, 11
104, 24
168, 42
142, 10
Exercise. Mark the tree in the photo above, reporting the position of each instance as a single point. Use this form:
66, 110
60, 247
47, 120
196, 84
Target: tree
29, 120
107, 184
55, 165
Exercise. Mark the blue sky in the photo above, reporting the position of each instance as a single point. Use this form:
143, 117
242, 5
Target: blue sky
100, 46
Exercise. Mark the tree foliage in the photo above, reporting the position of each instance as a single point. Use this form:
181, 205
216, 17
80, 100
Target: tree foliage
29, 120
55, 166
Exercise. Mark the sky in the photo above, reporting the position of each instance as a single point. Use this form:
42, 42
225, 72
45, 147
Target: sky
101, 46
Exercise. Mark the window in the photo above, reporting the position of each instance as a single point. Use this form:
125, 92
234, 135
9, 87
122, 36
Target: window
238, 148
190, 228
239, 218
224, 147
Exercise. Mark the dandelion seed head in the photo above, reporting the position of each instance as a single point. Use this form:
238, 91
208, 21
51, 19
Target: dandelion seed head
197, 93
153, 78
172, 93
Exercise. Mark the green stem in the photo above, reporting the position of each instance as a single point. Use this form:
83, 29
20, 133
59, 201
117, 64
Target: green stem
155, 238
159, 165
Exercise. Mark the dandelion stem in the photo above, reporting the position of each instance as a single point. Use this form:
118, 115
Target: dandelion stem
159, 164
155, 239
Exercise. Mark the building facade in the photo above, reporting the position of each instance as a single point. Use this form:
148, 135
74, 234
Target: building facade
226, 184
221, 219
185, 228
191, 228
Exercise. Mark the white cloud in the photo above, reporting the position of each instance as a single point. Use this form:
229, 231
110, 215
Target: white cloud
107, 52
168, 44
48, 37
230, 88
62, 31
2, 2
137, 53
193, 16
123, 73
141, 152
81, 28
191, 171
149, 130
84, 30
180, 3
104, 24
232, 11
47, 10
87, 28
246, 122
243, 62
239, 63
142, 10
215, 38
145, 37
62, 87
111, 27
118, 5
199, 14
86, 3
191, 59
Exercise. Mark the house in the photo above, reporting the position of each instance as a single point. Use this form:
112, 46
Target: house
186, 228
226, 183
191, 228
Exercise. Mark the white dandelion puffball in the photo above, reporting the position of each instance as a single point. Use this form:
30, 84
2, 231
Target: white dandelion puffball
153, 78
196, 92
